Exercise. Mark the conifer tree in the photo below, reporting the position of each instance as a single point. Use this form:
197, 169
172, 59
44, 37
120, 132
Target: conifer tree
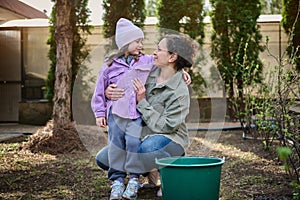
235, 43
133, 10
170, 12
185, 17
291, 25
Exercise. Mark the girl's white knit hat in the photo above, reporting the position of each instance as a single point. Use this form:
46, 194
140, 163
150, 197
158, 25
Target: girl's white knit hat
127, 32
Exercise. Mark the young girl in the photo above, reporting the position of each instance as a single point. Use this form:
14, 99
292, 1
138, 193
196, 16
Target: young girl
123, 119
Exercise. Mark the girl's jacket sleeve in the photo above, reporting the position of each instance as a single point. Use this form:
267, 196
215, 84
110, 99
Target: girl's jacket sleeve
98, 102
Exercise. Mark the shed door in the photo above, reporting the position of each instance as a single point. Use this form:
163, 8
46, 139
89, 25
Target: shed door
10, 75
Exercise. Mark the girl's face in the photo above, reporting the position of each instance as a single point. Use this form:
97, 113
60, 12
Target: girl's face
135, 47
161, 54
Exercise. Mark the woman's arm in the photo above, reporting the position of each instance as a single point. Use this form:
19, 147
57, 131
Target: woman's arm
139, 89
162, 118
114, 93
165, 119
186, 77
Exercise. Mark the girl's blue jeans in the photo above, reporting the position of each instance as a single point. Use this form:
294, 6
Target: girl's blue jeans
123, 143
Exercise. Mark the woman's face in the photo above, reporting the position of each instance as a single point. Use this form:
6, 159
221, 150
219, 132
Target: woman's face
135, 47
161, 54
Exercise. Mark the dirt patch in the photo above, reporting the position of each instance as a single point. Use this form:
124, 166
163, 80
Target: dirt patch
250, 172
54, 140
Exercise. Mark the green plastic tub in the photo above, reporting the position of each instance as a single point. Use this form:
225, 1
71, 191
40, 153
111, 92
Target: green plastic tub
190, 177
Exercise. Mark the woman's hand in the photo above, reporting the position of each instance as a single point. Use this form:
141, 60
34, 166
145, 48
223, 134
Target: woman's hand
186, 77
101, 122
114, 93
139, 89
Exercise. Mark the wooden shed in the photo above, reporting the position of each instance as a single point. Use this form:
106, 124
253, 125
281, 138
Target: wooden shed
13, 43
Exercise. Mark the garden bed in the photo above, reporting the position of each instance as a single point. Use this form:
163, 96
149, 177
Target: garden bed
249, 172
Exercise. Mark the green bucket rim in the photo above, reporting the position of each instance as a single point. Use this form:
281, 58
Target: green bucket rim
171, 160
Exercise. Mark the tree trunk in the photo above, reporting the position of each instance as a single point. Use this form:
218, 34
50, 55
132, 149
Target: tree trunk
63, 74
60, 134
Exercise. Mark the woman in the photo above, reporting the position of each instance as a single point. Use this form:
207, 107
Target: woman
163, 103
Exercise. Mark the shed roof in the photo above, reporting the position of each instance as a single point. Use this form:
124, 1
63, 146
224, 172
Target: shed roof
148, 21
25, 23
14, 9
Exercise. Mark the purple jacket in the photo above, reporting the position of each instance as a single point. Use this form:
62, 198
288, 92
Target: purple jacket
122, 74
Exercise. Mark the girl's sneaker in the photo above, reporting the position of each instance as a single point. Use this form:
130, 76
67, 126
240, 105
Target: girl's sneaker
132, 189
117, 189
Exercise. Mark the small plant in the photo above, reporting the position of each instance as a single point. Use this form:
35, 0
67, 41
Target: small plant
296, 186
284, 153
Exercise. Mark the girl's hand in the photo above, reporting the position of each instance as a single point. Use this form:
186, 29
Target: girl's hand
101, 122
114, 93
139, 89
186, 77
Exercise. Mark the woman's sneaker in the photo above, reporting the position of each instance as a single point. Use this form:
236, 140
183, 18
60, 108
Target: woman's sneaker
132, 189
152, 179
117, 189
159, 192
